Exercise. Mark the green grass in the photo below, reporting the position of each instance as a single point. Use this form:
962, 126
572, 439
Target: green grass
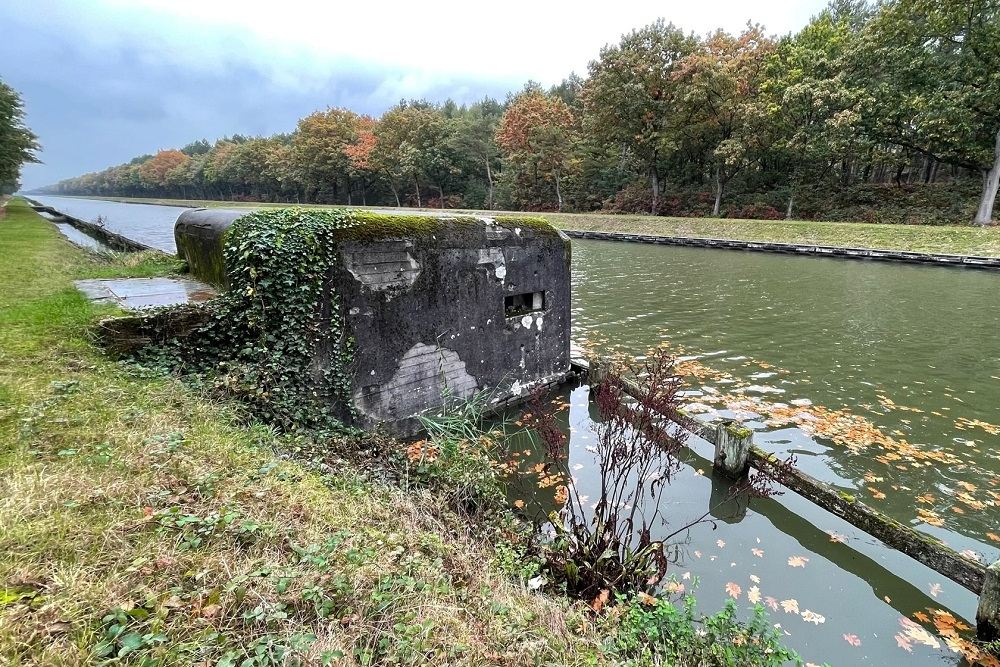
946, 239
143, 523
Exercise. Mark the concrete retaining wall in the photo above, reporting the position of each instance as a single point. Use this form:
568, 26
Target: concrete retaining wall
966, 261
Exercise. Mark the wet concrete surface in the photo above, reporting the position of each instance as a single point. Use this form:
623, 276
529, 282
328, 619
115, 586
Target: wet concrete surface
141, 293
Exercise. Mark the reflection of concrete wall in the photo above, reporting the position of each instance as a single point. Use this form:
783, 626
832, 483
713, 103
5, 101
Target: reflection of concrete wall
427, 311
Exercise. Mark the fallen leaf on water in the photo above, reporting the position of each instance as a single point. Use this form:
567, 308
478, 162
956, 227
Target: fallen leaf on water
993, 536
647, 599
852, 640
733, 590
935, 589
813, 617
921, 616
759, 553
721, 543
754, 578
790, 606
753, 594
929, 517
771, 602
837, 537
876, 494
918, 633
797, 561
903, 643
519, 504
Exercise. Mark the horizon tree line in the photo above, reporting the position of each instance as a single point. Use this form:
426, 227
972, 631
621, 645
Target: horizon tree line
903, 93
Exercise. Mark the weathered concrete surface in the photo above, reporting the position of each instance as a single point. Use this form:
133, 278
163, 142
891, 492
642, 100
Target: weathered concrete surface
988, 613
472, 305
126, 335
140, 293
199, 235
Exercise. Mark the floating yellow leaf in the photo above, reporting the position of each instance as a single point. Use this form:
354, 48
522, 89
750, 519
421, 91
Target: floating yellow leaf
790, 606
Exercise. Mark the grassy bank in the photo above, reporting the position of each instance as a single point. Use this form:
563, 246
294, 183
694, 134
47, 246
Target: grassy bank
947, 239
140, 520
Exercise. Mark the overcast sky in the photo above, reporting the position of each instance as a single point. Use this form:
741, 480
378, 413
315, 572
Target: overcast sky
105, 80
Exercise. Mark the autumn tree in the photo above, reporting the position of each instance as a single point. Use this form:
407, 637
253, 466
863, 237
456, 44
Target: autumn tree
535, 136
319, 141
154, 171
931, 69
718, 96
629, 99
359, 155
413, 146
810, 107
474, 138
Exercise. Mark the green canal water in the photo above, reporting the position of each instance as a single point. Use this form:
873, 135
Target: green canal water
883, 379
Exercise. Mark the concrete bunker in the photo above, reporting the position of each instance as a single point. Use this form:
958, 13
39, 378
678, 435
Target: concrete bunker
439, 309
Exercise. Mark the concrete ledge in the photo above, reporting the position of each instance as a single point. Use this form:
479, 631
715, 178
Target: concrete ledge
125, 335
901, 256
108, 238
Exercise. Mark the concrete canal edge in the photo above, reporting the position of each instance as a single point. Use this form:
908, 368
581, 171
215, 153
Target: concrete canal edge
107, 237
902, 256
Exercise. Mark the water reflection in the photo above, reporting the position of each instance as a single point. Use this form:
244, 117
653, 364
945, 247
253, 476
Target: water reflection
847, 578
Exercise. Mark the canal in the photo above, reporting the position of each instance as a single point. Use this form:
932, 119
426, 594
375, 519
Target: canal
883, 379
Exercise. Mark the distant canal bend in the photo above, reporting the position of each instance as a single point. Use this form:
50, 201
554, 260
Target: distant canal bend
883, 379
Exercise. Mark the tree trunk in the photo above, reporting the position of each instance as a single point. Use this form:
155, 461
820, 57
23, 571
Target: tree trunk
718, 193
441, 195
558, 192
654, 182
416, 187
364, 194
991, 185
395, 193
350, 189
489, 179
791, 203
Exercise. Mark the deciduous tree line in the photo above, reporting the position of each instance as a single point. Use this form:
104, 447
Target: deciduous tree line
904, 95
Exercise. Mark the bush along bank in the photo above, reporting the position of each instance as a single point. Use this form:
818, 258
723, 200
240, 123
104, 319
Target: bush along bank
147, 520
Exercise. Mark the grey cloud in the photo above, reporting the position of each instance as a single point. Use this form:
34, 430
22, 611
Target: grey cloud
100, 99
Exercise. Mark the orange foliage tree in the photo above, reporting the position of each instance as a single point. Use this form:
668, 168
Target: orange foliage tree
535, 136
154, 170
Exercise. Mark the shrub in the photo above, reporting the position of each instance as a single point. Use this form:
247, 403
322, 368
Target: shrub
653, 631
